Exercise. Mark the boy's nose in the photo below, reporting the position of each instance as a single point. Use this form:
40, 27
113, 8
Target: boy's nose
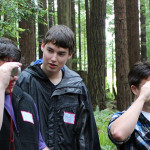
54, 57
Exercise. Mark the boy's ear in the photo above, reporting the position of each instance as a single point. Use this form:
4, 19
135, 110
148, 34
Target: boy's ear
70, 56
42, 46
134, 89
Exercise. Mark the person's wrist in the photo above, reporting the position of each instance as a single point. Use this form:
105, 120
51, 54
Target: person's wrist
142, 99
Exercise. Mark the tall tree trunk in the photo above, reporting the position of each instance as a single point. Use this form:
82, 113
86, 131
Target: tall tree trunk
79, 35
87, 22
96, 59
133, 31
88, 40
85, 51
51, 10
27, 41
87, 26
42, 28
87, 29
27, 38
122, 59
73, 27
64, 17
113, 73
148, 31
143, 31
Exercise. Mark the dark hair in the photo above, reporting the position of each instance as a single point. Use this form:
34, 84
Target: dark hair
9, 49
62, 36
139, 71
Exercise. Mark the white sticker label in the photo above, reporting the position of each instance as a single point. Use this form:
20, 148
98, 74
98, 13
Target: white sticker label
69, 117
28, 117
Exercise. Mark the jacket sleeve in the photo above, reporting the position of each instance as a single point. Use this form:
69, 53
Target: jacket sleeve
23, 82
87, 138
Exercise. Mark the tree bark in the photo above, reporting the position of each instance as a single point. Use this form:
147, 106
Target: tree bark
122, 58
64, 17
79, 35
96, 59
42, 28
51, 10
143, 31
27, 42
73, 27
133, 31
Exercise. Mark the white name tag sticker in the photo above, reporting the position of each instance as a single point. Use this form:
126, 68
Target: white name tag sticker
69, 117
27, 116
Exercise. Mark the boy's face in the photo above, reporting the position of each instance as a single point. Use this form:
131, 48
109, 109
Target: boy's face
138, 90
13, 79
54, 58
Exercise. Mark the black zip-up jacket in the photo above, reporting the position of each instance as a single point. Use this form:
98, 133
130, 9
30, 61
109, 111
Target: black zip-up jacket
26, 135
65, 111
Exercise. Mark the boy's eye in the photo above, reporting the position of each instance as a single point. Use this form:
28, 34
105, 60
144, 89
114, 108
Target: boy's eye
50, 50
61, 54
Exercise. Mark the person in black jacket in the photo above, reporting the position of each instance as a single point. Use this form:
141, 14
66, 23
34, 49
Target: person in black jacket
19, 123
65, 110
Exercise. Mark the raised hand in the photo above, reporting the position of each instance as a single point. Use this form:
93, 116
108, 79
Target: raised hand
145, 91
5, 72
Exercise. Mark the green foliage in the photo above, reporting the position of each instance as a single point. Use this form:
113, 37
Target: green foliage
11, 12
8, 15
109, 7
103, 117
109, 94
102, 120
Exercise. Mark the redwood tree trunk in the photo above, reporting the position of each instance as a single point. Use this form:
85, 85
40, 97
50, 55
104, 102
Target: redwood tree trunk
133, 31
64, 17
79, 33
96, 59
27, 42
42, 28
73, 27
122, 59
143, 31
51, 10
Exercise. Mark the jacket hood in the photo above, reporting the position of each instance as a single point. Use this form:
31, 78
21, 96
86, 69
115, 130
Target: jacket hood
36, 71
70, 77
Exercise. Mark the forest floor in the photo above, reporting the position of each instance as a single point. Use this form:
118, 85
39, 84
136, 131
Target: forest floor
102, 120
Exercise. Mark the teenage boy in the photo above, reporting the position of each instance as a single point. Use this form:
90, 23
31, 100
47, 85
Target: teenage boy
65, 111
130, 129
19, 127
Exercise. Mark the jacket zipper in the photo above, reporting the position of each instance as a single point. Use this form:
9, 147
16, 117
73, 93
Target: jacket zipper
54, 124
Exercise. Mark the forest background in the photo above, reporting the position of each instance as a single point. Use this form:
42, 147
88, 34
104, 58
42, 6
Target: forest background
110, 37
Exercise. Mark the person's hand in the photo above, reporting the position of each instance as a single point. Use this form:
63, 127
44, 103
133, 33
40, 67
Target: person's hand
145, 91
46, 148
5, 72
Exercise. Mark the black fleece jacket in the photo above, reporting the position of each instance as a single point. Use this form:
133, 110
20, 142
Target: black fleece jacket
65, 111
26, 135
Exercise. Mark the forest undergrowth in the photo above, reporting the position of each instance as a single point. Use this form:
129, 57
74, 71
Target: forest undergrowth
102, 119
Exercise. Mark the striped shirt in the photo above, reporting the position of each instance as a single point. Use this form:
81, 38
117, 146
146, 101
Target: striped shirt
138, 140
